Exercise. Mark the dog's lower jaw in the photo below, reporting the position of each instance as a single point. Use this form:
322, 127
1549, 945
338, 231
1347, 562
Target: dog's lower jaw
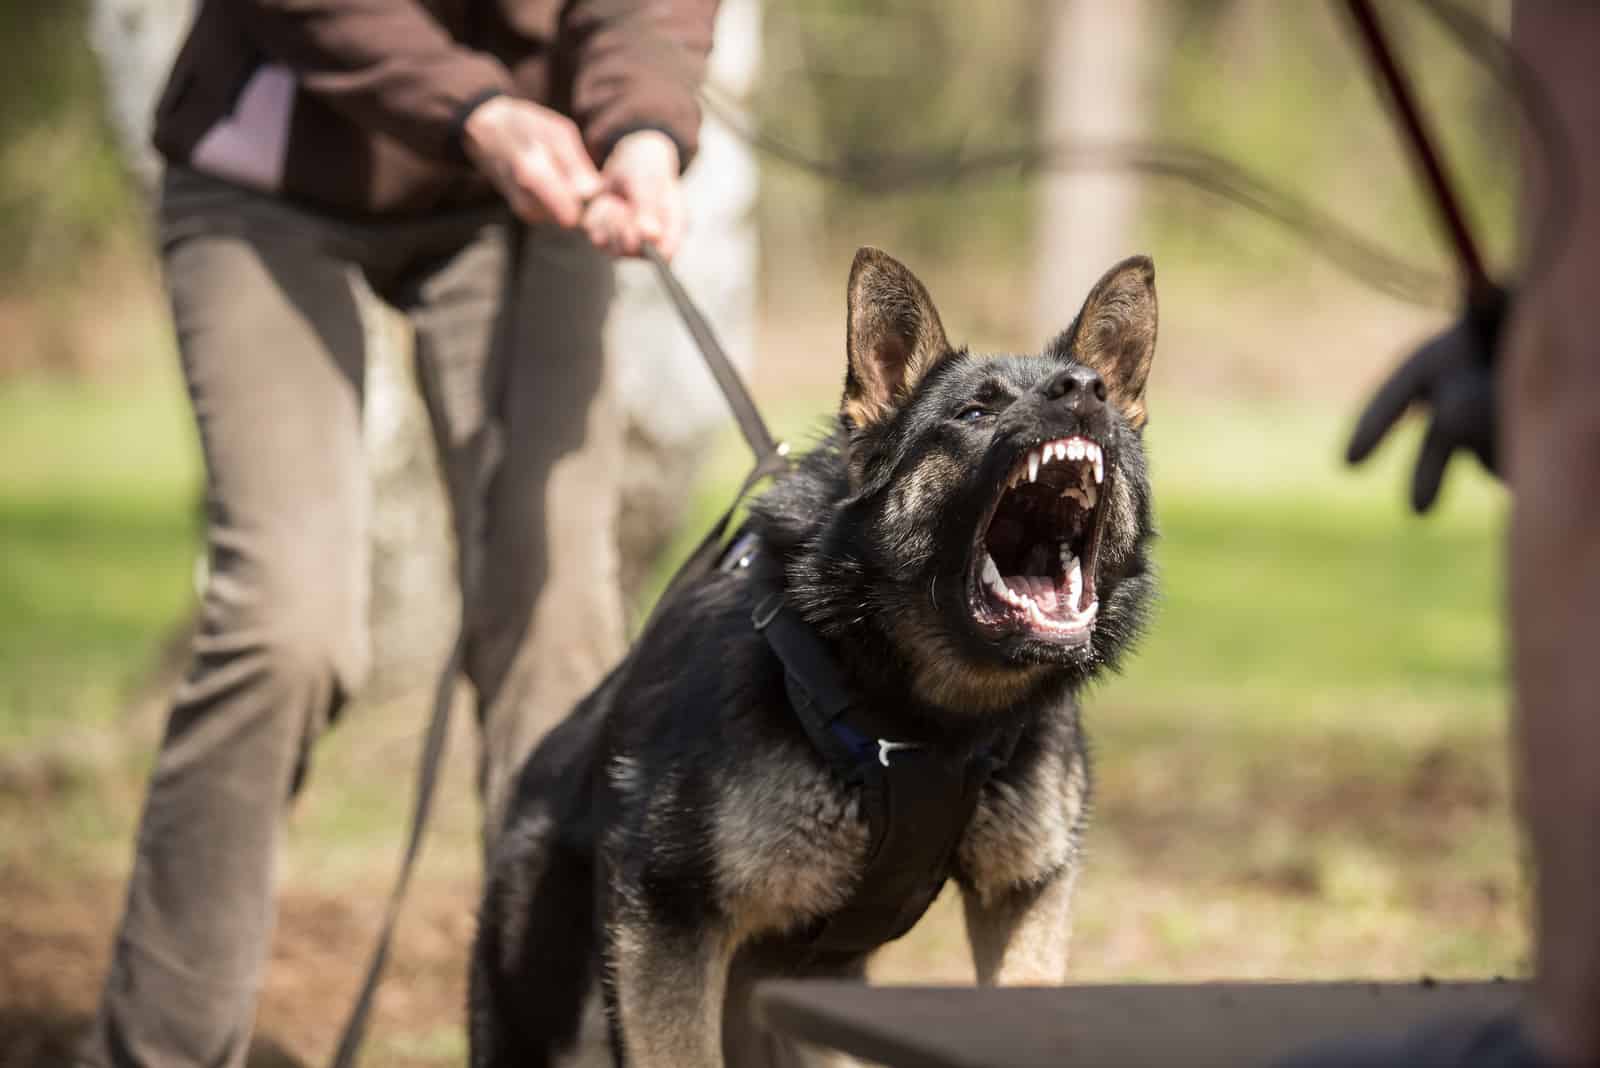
944, 677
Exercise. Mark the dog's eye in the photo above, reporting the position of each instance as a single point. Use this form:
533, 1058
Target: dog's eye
972, 413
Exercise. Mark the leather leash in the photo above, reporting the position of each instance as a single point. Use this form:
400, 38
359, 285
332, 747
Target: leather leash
1386, 70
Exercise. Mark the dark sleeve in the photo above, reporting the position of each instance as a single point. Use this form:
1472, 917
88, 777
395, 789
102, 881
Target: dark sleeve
639, 64
388, 64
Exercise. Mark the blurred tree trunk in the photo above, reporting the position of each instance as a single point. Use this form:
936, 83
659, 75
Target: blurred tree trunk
1093, 89
670, 404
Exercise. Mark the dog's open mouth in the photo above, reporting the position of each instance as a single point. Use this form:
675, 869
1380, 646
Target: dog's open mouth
1033, 565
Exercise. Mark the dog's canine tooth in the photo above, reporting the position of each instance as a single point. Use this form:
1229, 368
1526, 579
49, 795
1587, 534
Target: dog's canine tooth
1099, 468
991, 573
1033, 465
1074, 583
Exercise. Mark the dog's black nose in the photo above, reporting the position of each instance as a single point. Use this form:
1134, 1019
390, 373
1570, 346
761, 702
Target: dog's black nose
1081, 387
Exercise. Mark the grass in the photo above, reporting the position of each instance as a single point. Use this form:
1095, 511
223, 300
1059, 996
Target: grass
1287, 582
98, 531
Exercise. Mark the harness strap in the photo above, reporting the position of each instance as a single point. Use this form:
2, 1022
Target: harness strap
917, 798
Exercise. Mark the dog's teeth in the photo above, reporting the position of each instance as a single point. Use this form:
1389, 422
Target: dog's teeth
991, 573
1074, 582
1046, 454
1099, 468
1074, 450
1061, 450
1033, 465
1089, 495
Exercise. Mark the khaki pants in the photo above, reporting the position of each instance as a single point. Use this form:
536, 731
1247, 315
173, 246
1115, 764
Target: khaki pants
508, 343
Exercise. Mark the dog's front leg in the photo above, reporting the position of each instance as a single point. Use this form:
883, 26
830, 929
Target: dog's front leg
668, 982
1019, 935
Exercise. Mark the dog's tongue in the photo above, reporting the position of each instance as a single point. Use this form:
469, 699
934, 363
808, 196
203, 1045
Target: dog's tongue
1036, 581
1044, 593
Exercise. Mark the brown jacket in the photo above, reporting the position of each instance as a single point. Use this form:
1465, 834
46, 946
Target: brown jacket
356, 105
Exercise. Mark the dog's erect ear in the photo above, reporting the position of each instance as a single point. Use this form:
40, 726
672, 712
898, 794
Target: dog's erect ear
894, 336
1115, 333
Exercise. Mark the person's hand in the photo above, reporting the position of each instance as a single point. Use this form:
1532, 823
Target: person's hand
642, 199
1453, 376
534, 157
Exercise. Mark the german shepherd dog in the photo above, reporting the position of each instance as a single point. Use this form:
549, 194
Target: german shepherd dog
970, 544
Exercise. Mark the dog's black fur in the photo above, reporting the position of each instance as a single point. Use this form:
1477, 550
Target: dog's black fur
677, 836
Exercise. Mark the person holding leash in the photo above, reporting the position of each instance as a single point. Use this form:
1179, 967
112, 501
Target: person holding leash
476, 163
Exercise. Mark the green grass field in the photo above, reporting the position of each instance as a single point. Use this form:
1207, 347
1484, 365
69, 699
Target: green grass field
1300, 774
1288, 582
98, 529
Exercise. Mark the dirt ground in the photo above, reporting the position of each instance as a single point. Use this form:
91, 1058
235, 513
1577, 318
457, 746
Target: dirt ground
1280, 863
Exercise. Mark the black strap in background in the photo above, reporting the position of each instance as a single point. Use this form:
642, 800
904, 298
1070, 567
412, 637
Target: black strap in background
772, 458
1447, 203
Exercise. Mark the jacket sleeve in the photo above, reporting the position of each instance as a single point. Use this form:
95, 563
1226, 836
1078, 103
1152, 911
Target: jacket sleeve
639, 64
388, 64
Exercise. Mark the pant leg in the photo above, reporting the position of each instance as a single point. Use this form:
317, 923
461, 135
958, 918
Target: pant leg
514, 367
271, 346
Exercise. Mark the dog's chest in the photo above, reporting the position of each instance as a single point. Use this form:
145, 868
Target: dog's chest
1027, 825
790, 842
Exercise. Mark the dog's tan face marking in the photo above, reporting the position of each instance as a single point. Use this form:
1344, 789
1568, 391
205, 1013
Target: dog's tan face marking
922, 491
943, 676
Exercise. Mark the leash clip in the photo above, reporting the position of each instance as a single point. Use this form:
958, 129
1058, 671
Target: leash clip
885, 747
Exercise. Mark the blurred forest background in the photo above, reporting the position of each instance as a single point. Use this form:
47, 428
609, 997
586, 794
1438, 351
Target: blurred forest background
1301, 774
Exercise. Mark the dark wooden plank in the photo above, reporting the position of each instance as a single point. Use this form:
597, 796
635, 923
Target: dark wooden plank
1027, 1027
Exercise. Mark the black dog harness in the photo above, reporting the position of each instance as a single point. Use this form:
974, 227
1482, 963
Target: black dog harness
917, 797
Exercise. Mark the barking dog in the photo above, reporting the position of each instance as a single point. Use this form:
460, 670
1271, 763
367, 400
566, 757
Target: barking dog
965, 550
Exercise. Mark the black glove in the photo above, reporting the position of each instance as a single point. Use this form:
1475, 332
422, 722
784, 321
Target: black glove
1452, 375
